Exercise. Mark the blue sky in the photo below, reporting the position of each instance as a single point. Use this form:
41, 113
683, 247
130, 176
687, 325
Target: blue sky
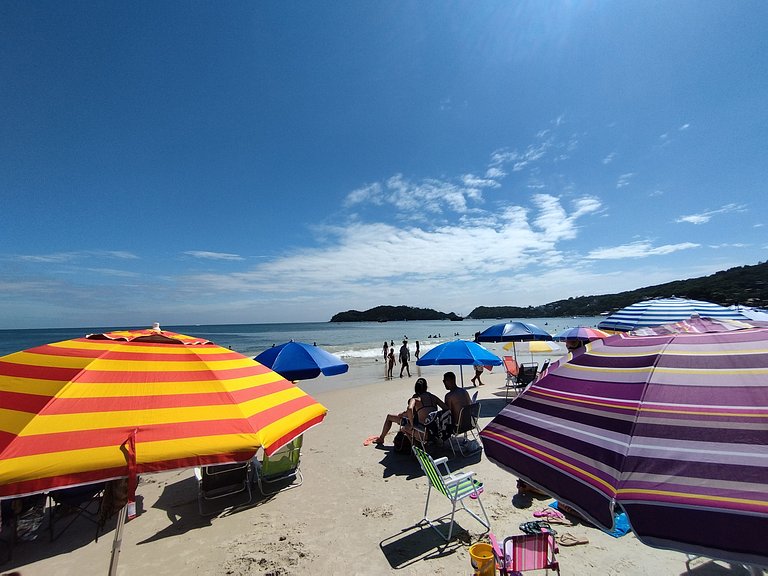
234, 162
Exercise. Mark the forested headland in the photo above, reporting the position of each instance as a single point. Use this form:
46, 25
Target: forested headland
745, 285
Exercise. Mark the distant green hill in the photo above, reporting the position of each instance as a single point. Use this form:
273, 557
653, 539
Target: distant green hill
385, 313
747, 285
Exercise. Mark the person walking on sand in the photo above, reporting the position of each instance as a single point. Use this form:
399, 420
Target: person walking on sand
385, 348
417, 350
478, 373
405, 356
390, 362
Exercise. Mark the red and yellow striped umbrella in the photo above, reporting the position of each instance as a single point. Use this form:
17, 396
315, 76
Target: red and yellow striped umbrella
71, 412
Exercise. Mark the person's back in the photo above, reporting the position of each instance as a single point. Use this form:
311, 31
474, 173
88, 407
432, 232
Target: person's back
456, 398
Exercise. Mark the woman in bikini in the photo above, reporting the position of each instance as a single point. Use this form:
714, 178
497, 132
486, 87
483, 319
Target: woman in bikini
420, 405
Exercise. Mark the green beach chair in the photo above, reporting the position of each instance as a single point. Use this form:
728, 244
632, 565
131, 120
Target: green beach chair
281, 470
455, 486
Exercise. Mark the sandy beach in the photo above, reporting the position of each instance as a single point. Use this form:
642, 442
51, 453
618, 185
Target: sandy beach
356, 512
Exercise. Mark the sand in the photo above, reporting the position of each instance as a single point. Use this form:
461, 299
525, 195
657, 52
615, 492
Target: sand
354, 514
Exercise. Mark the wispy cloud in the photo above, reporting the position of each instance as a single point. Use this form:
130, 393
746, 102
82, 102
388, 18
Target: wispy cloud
610, 158
65, 257
205, 255
436, 255
728, 245
625, 179
706, 216
640, 249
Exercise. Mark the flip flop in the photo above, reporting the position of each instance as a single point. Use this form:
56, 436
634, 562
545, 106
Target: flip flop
370, 440
475, 495
537, 527
549, 513
568, 539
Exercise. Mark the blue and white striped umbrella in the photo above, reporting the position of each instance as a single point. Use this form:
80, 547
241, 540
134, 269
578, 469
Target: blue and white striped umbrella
664, 311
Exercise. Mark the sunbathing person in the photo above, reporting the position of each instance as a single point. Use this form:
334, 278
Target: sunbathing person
420, 405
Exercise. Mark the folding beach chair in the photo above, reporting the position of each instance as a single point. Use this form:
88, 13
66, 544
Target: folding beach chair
66, 505
455, 486
525, 552
281, 470
526, 374
469, 417
512, 368
221, 483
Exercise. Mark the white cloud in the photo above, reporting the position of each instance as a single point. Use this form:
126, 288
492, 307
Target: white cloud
65, 257
366, 256
204, 255
610, 158
640, 249
624, 179
684, 127
706, 216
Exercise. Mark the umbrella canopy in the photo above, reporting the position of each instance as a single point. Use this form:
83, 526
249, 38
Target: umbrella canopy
70, 411
459, 353
535, 347
752, 313
663, 311
674, 428
513, 332
300, 361
583, 333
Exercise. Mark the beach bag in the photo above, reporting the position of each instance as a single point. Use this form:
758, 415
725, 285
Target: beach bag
402, 443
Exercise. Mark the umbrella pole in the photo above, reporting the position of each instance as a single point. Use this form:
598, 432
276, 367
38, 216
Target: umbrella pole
118, 541
461, 372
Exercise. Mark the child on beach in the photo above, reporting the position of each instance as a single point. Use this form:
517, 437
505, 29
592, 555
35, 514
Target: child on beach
390, 362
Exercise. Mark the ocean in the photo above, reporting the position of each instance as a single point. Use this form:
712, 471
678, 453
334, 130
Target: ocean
349, 340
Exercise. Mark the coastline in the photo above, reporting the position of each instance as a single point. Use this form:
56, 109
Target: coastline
354, 514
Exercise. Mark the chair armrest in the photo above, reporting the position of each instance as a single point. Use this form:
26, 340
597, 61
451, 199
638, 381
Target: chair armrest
198, 473
441, 460
496, 548
454, 479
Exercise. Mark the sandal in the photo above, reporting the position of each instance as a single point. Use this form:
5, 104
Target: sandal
537, 527
568, 539
370, 440
477, 493
549, 513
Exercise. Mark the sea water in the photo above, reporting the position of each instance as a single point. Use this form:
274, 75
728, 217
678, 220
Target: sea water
349, 340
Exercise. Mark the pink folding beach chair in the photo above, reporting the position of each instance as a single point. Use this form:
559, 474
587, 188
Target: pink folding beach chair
525, 552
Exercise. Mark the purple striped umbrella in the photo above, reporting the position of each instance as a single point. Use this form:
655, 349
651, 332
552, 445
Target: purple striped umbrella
671, 427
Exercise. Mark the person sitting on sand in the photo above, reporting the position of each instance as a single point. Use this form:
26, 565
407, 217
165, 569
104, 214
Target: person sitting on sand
420, 405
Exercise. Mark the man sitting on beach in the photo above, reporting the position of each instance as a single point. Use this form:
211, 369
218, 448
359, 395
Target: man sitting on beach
455, 399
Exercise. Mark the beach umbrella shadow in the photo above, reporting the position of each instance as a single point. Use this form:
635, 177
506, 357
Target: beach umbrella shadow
418, 543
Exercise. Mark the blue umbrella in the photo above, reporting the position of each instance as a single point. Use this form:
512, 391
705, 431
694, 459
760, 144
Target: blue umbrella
300, 361
513, 332
461, 353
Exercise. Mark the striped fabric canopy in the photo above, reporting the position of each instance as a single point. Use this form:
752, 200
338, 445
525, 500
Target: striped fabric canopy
663, 311
674, 428
69, 410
